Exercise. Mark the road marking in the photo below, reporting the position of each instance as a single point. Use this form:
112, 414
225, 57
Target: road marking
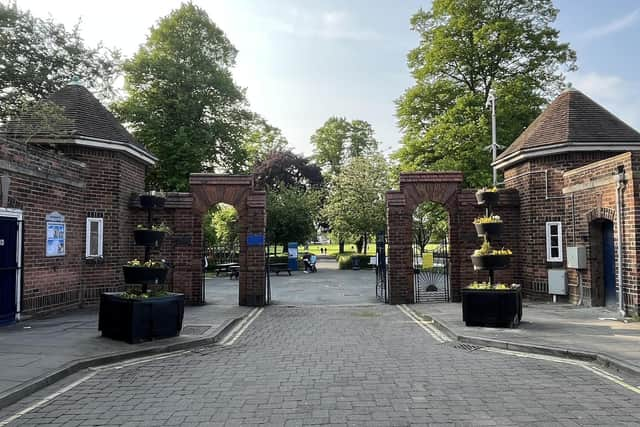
593, 369
47, 399
424, 324
237, 331
137, 361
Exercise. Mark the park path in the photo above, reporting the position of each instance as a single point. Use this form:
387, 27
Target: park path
340, 365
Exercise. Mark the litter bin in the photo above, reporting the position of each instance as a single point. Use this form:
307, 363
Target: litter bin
355, 263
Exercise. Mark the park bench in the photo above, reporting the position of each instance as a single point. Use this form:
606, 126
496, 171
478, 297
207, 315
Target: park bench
234, 272
225, 268
278, 267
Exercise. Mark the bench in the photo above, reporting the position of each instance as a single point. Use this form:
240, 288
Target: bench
225, 268
234, 272
278, 267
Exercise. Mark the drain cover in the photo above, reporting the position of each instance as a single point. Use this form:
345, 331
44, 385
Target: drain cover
465, 347
195, 329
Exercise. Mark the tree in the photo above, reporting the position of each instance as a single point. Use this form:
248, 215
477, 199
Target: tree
290, 215
430, 222
286, 169
183, 104
467, 48
40, 56
225, 226
356, 204
261, 140
339, 140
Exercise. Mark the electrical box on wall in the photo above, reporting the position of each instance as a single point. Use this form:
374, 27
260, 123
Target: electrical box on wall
576, 257
557, 281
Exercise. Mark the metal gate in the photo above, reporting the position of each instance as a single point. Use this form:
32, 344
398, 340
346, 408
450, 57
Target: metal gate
381, 269
267, 275
431, 274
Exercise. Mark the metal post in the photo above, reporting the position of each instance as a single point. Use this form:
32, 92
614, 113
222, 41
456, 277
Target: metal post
620, 184
491, 99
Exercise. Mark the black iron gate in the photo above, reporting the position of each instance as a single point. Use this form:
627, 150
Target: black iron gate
431, 274
267, 275
381, 268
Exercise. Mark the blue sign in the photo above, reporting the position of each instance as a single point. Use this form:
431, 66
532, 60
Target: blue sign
293, 256
255, 240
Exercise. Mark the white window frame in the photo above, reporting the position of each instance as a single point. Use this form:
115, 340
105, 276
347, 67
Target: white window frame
548, 226
100, 222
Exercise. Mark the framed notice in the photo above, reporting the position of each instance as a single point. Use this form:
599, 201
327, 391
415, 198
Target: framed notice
56, 234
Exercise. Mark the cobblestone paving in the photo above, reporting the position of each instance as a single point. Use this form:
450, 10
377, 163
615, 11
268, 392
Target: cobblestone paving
367, 366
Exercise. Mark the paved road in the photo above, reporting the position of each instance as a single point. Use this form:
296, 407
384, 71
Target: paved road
368, 365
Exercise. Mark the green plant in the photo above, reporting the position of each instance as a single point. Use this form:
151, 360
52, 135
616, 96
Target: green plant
161, 227
137, 294
148, 264
486, 249
486, 286
488, 190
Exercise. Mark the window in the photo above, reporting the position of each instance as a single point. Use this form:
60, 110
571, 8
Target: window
94, 237
554, 241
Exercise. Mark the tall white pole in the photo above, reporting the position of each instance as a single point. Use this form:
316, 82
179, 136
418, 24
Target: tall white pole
494, 145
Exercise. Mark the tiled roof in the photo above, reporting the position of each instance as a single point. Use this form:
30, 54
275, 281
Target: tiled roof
88, 117
573, 119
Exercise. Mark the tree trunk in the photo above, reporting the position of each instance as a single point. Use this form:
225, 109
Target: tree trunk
366, 243
359, 245
341, 246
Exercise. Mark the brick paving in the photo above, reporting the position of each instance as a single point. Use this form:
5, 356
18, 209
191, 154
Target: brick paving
316, 365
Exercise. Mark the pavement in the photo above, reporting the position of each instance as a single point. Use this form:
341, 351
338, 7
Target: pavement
561, 329
37, 352
371, 365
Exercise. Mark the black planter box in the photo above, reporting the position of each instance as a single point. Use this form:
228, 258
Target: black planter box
492, 308
136, 320
148, 237
144, 275
493, 229
487, 198
490, 262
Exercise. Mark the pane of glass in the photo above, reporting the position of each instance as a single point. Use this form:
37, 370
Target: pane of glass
555, 252
554, 241
93, 238
553, 230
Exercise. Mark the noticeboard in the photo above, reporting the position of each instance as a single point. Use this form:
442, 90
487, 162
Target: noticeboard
56, 236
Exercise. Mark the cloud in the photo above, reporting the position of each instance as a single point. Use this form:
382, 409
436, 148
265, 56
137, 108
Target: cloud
620, 96
327, 25
613, 26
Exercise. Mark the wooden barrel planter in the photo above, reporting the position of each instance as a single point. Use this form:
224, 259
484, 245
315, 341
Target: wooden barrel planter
490, 262
144, 275
147, 237
490, 307
492, 229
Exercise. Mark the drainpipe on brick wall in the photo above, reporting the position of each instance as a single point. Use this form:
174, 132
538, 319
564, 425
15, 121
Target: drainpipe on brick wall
620, 185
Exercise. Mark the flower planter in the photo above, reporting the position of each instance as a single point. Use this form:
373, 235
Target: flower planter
487, 198
159, 201
147, 201
492, 229
144, 275
148, 237
136, 320
501, 308
490, 262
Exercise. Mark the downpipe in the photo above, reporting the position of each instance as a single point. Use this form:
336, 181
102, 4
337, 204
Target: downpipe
620, 185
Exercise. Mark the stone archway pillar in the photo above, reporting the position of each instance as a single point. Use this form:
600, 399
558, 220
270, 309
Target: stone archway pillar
399, 240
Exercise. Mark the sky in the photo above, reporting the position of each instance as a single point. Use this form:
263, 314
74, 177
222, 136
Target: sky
302, 62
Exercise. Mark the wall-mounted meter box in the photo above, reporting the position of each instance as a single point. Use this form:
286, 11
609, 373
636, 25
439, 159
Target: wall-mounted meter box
557, 281
576, 257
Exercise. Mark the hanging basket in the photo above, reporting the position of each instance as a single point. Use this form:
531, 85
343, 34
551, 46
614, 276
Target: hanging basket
487, 198
148, 237
159, 201
490, 262
144, 275
492, 229
147, 201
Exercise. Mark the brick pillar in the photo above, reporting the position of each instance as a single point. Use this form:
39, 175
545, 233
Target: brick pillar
400, 256
252, 257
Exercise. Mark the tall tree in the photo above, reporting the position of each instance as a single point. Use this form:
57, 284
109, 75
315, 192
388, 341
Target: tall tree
39, 56
290, 215
286, 169
183, 103
356, 204
467, 48
339, 140
430, 222
261, 140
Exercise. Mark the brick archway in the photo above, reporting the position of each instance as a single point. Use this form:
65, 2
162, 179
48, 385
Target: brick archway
416, 188
239, 191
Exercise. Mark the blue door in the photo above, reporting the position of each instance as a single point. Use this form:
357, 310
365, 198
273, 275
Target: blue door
608, 264
8, 269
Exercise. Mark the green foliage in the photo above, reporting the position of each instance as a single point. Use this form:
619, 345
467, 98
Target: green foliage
345, 262
291, 214
356, 203
467, 48
183, 104
40, 56
261, 140
430, 223
339, 140
225, 226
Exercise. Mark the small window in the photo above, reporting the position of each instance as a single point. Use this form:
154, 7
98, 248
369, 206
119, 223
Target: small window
94, 237
554, 241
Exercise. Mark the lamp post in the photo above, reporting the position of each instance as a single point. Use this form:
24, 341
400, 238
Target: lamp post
491, 100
